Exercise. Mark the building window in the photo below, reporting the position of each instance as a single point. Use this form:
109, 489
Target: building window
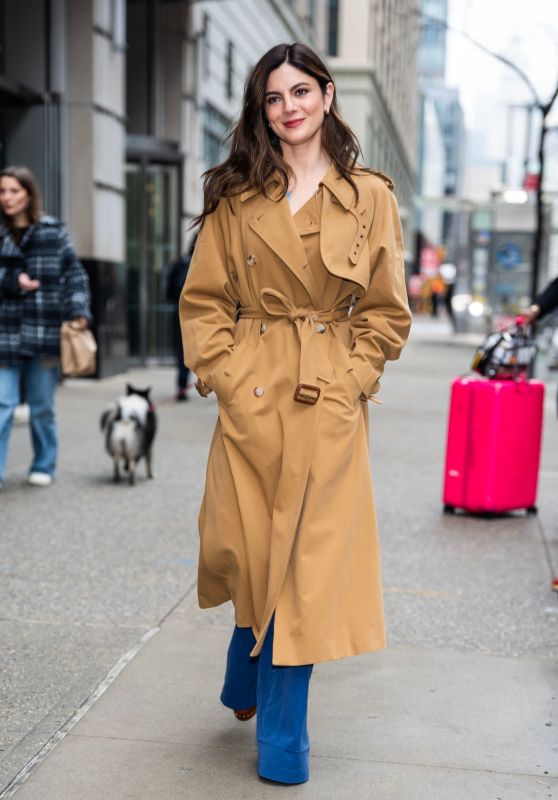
229, 71
141, 63
215, 130
206, 45
118, 24
333, 27
311, 15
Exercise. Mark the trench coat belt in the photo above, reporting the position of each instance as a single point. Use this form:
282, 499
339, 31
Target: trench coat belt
307, 321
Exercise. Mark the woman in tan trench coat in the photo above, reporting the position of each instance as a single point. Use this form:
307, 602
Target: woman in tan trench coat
294, 300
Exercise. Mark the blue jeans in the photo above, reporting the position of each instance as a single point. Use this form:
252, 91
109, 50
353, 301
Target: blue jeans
281, 696
40, 384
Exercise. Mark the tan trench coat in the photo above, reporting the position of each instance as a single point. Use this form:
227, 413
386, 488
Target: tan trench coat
287, 523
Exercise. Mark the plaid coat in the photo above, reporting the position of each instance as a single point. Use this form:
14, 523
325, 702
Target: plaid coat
30, 321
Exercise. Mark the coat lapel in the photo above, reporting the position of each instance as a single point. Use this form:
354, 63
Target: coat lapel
273, 222
8, 248
344, 229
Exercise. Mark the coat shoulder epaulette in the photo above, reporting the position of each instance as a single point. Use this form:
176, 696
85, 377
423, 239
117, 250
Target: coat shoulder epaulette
387, 180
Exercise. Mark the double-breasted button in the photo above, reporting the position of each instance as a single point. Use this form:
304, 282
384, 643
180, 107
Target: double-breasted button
320, 327
263, 327
258, 391
250, 259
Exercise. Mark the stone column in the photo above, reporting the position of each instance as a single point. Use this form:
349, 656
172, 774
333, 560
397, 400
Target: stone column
96, 159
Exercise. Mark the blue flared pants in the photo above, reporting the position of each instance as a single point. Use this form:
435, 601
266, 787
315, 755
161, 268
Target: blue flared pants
40, 388
281, 697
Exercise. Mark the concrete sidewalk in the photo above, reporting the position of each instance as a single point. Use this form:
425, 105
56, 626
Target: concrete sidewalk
407, 723
461, 705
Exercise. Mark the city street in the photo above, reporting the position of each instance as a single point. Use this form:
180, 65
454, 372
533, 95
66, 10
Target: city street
98, 614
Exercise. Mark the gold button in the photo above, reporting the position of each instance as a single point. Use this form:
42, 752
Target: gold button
320, 327
258, 391
250, 260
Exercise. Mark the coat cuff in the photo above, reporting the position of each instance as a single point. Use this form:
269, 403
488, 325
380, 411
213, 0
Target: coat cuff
202, 388
79, 308
368, 378
208, 379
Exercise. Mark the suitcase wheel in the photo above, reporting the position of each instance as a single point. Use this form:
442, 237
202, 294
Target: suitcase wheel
449, 509
532, 510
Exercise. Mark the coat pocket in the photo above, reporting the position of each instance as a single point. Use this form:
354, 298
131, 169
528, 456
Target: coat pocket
348, 378
229, 375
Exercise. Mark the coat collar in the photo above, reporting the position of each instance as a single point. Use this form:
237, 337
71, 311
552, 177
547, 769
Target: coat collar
7, 243
272, 185
340, 188
340, 240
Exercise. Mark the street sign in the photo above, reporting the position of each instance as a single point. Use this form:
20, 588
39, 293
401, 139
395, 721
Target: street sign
509, 255
531, 181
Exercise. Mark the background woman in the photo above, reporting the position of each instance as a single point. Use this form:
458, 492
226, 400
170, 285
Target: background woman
294, 300
41, 285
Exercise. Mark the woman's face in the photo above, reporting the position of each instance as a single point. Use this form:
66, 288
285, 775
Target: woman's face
295, 105
14, 199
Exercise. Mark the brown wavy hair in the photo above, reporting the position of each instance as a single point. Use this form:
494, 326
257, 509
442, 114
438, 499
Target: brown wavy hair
255, 152
27, 180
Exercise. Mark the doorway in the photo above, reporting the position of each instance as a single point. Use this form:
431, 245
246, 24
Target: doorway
152, 244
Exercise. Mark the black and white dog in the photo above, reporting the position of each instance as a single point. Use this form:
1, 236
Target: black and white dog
129, 425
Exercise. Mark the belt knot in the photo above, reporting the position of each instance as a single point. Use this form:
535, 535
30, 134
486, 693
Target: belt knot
275, 304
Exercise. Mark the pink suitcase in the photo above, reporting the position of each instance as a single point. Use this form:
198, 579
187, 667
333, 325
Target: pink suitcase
493, 445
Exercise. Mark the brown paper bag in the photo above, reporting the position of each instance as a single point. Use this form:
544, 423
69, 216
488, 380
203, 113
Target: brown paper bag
78, 351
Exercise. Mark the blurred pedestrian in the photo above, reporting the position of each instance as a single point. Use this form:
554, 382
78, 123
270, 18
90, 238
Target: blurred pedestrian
294, 300
437, 288
41, 284
545, 302
175, 282
448, 273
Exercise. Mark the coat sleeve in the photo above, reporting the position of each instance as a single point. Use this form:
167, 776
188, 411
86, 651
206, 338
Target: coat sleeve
208, 302
547, 300
10, 270
381, 319
76, 297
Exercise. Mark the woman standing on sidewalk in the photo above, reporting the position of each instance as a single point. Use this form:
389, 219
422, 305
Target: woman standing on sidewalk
41, 285
294, 300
